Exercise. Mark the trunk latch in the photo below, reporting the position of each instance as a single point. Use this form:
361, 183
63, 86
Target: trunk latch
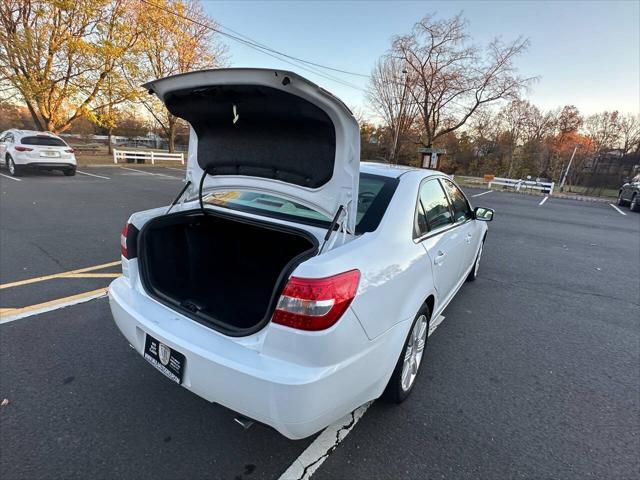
192, 306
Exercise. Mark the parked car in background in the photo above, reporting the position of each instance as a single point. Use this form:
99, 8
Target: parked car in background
294, 283
629, 194
27, 149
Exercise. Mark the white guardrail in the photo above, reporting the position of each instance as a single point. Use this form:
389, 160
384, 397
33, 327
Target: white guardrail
135, 155
544, 187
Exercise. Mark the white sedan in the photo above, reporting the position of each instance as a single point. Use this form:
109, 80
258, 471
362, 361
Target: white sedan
289, 282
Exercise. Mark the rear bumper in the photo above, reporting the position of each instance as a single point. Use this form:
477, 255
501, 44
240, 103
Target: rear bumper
49, 165
295, 398
29, 160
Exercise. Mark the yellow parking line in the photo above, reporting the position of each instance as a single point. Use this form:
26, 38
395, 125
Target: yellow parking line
10, 314
91, 275
57, 275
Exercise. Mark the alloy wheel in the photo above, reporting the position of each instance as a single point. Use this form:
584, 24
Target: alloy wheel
414, 351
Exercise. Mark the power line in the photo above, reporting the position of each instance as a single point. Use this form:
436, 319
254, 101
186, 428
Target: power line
265, 49
262, 45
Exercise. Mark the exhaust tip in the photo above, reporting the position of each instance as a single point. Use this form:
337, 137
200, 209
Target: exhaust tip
244, 422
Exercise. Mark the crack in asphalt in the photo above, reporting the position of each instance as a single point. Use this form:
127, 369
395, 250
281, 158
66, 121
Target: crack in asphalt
332, 448
50, 256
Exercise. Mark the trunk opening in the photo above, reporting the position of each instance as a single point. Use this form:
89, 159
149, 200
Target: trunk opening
220, 270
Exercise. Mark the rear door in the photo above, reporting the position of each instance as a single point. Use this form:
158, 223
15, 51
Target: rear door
463, 219
443, 242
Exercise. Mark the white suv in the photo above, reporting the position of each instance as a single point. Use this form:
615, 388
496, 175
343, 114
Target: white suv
21, 149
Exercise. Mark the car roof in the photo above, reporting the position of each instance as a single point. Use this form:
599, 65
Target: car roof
394, 171
24, 133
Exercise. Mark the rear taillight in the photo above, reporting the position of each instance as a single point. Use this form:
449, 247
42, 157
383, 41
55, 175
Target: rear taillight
316, 303
123, 241
23, 149
69, 150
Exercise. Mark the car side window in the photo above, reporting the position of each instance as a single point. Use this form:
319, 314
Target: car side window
461, 209
420, 222
433, 212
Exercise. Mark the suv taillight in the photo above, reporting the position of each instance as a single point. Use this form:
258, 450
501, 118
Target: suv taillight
69, 150
23, 149
316, 303
123, 241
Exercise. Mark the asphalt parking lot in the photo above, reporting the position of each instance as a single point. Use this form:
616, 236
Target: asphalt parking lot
534, 372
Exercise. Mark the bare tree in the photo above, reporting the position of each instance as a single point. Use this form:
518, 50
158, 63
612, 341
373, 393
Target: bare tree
569, 119
603, 129
388, 96
513, 119
451, 78
629, 133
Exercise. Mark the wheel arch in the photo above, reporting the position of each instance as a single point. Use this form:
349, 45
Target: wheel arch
429, 302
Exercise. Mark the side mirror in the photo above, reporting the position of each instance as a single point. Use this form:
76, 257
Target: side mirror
484, 214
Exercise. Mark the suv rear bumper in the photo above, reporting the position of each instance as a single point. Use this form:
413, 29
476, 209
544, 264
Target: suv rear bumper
297, 400
48, 165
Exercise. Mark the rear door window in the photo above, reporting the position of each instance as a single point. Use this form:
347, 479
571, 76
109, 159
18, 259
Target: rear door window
43, 140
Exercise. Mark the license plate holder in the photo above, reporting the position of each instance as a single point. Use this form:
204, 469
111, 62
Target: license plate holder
50, 154
164, 358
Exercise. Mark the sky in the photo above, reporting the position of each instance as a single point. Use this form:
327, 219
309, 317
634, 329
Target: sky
585, 53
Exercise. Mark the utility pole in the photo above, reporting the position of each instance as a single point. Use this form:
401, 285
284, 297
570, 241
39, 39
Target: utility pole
393, 158
567, 170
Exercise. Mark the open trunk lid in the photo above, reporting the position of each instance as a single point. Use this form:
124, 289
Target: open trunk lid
270, 131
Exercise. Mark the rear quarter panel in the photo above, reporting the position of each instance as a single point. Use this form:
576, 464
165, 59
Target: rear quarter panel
395, 273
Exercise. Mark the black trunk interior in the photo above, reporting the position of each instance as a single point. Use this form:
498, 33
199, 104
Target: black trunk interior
218, 270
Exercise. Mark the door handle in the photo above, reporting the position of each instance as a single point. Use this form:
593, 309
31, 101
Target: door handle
469, 237
439, 257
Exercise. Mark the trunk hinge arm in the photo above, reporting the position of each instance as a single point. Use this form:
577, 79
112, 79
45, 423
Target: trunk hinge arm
341, 214
175, 201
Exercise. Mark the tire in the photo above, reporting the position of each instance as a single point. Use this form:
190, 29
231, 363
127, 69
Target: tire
14, 170
397, 390
69, 172
620, 201
473, 274
634, 206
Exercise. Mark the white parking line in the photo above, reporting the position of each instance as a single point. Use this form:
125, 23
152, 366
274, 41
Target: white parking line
135, 170
10, 178
150, 173
92, 175
543, 200
483, 193
315, 454
617, 209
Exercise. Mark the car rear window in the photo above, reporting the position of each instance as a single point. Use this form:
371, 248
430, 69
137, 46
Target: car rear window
43, 140
374, 195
